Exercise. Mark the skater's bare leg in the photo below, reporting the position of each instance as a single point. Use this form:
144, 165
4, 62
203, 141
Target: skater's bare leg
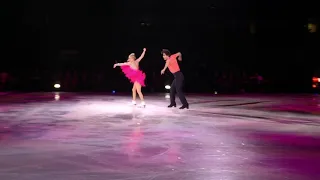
134, 94
138, 87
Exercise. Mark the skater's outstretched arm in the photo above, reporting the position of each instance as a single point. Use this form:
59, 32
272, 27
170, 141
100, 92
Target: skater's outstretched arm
121, 64
165, 66
142, 55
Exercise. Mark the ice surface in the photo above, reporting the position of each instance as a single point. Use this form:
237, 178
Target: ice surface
91, 137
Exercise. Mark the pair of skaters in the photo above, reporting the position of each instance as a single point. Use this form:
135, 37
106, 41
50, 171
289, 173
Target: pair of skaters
137, 77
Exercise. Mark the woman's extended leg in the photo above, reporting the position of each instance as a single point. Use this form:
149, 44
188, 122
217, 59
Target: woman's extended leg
138, 88
134, 94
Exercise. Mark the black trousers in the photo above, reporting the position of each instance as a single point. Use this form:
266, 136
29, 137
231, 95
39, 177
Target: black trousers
176, 88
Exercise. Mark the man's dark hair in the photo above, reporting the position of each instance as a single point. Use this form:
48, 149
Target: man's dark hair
166, 52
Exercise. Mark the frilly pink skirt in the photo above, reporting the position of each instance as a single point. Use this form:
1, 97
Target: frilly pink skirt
134, 75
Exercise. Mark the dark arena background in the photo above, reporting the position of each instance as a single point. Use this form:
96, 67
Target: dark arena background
252, 76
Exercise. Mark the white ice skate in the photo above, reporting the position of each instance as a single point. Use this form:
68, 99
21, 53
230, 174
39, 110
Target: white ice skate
133, 103
142, 105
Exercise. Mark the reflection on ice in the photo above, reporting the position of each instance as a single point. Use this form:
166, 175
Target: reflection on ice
104, 137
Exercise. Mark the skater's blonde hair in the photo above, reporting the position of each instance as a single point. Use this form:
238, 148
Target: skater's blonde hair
132, 55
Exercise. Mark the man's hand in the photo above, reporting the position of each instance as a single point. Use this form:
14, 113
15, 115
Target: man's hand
115, 65
162, 71
144, 49
179, 56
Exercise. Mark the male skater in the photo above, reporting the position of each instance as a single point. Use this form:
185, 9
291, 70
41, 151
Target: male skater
177, 84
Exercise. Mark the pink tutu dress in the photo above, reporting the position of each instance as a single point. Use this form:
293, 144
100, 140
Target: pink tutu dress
134, 75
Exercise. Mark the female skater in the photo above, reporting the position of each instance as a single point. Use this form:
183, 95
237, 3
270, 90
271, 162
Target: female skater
136, 76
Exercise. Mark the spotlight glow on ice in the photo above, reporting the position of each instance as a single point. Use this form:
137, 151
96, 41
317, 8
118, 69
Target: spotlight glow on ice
56, 97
